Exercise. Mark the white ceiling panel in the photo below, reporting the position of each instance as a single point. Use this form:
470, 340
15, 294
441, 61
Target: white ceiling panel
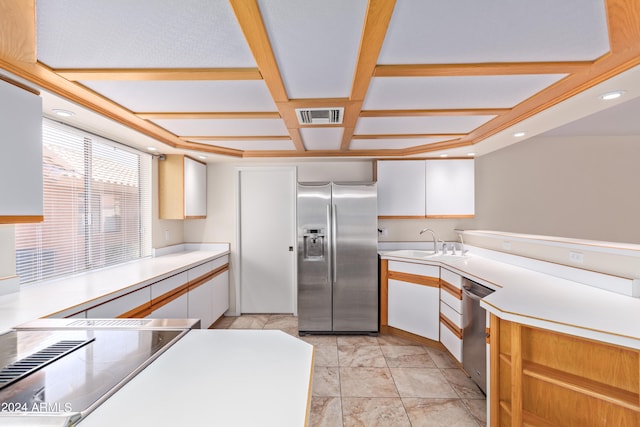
315, 44
262, 145
391, 143
140, 34
184, 96
322, 138
454, 92
226, 127
419, 125
472, 31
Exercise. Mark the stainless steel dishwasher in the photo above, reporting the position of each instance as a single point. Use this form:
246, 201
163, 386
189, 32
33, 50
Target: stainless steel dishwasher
474, 350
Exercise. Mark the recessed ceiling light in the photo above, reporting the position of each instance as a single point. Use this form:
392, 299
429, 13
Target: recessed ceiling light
444, 155
202, 157
519, 134
63, 113
612, 95
152, 149
471, 154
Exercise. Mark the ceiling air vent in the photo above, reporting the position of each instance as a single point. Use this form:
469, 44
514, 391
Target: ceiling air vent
320, 116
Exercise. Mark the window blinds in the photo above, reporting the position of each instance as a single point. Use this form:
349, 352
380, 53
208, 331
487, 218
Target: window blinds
97, 206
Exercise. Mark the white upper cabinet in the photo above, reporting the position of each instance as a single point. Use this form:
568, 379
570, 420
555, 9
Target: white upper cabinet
21, 160
450, 188
401, 187
426, 188
182, 188
195, 188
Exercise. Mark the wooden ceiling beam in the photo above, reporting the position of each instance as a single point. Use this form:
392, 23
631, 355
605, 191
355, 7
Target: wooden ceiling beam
481, 69
248, 15
440, 112
150, 74
209, 115
235, 138
374, 31
411, 136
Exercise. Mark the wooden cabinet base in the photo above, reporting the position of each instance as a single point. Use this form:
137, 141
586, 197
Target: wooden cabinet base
545, 378
390, 330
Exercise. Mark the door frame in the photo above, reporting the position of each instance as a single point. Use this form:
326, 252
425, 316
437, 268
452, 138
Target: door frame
293, 171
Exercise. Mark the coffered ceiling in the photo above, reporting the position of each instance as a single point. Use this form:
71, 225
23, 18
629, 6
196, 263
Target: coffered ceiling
413, 77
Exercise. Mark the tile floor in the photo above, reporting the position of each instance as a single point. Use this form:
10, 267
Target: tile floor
380, 381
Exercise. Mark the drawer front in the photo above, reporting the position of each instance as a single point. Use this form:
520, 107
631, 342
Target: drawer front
451, 342
451, 278
167, 285
451, 301
199, 270
451, 314
219, 262
417, 269
117, 307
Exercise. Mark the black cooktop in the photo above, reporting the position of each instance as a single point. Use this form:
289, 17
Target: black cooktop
82, 367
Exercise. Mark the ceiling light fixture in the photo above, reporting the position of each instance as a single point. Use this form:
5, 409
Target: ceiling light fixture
444, 155
63, 113
519, 134
152, 149
471, 154
202, 157
612, 95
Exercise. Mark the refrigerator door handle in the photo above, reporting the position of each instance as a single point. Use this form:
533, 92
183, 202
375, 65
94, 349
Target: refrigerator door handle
329, 243
334, 243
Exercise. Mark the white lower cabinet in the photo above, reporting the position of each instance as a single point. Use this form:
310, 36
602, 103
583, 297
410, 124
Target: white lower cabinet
201, 304
121, 306
414, 308
414, 298
220, 295
451, 312
174, 309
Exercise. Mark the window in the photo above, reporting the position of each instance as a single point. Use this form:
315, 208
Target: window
97, 206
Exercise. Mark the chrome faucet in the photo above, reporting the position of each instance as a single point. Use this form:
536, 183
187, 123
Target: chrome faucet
435, 240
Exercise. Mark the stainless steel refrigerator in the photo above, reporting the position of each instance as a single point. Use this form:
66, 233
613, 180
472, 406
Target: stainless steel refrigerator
337, 257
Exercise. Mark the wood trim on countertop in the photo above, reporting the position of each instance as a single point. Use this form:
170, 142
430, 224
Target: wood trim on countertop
433, 282
384, 292
456, 330
451, 289
27, 219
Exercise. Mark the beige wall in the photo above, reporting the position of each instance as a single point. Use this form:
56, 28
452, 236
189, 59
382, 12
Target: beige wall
586, 187
220, 225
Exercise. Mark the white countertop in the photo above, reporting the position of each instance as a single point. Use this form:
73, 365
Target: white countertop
88, 289
217, 377
542, 300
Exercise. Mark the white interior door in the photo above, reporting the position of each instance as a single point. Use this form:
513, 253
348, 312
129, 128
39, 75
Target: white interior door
267, 240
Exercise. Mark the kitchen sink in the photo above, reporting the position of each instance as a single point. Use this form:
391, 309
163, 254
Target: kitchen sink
411, 253
419, 254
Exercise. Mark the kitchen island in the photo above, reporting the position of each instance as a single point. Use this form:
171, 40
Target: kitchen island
217, 377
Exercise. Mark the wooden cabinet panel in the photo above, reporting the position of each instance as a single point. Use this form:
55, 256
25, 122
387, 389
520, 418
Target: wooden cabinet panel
21, 160
182, 188
541, 377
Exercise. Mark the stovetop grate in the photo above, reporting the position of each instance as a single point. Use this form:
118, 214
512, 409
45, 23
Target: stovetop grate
28, 365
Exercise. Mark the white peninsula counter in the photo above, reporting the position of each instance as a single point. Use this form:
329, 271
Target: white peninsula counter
217, 377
